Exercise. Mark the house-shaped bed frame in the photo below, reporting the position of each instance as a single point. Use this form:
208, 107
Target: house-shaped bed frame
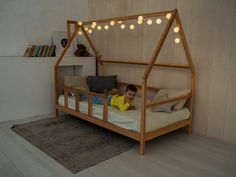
141, 136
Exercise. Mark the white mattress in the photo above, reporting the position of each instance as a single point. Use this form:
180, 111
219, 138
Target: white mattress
131, 119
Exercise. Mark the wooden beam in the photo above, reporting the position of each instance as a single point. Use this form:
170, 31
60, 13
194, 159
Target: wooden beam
143, 118
159, 45
166, 129
132, 134
184, 41
137, 85
125, 18
145, 63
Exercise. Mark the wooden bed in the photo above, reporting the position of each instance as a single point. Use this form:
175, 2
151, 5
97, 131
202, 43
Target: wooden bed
141, 136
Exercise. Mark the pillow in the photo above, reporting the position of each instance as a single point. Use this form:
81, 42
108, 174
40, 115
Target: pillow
178, 93
167, 107
79, 82
171, 93
100, 83
75, 81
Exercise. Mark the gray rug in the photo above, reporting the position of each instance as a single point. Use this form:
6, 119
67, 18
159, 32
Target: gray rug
74, 143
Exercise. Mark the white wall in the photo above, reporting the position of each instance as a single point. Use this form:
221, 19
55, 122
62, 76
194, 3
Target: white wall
24, 22
210, 28
26, 84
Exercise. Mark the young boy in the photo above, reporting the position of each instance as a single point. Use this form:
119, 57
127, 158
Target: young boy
122, 102
125, 101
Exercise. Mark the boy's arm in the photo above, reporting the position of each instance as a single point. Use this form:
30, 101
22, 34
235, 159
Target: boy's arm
124, 107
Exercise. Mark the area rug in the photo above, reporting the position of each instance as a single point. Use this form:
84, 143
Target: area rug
74, 143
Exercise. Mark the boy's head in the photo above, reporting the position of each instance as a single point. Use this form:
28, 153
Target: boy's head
130, 92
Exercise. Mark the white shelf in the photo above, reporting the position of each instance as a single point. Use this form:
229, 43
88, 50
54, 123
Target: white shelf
76, 61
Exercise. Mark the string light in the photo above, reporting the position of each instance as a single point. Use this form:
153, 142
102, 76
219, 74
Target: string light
168, 16
149, 22
140, 18
176, 29
86, 28
122, 26
120, 22
112, 23
93, 25
158, 21
131, 26
80, 33
90, 31
106, 27
99, 28
140, 22
177, 40
80, 23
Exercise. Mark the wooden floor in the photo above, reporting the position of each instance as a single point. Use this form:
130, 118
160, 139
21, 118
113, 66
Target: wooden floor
174, 155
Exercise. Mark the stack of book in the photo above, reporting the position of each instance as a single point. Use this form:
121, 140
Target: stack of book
40, 51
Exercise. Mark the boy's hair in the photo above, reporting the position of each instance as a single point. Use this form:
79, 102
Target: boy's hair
131, 87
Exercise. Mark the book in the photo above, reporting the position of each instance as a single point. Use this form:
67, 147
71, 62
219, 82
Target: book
36, 50
27, 51
45, 51
31, 51
52, 48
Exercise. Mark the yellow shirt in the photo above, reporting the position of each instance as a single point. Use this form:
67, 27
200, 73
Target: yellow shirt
119, 102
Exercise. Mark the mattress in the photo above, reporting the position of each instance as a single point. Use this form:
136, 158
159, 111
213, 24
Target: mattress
130, 119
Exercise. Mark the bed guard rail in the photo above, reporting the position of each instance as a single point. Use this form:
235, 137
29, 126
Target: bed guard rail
77, 92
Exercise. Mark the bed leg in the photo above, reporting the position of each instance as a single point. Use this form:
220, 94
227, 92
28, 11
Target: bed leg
141, 147
189, 128
57, 113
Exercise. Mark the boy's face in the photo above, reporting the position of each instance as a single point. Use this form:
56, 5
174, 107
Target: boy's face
130, 95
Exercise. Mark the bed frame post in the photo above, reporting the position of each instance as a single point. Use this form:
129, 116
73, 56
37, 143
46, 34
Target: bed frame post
189, 58
70, 39
143, 118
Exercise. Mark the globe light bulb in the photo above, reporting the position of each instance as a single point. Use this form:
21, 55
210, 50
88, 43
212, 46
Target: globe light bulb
177, 40
86, 28
176, 29
149, 22
140, 18
80, 23
99, 28
93, 26
131, 26
112, 23
94, 23
120, 22
122, 26
140, 22
158, 21
106, 27
90, 31
168, 16
80, 33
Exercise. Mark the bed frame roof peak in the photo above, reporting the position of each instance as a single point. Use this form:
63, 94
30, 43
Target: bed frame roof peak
174, 17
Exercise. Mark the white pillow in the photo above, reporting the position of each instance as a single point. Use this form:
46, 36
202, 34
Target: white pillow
179, 93
167, 107
171, 93
76, 81
79, 82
